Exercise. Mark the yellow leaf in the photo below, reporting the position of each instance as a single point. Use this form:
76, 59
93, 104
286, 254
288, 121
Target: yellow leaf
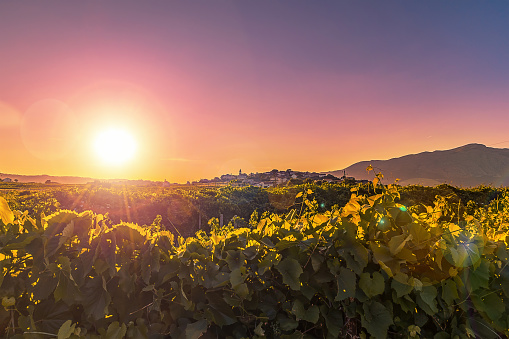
7, 302
370, 168
453, 271
6, 214
454, 229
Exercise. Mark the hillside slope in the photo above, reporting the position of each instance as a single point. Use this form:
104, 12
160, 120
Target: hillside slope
43, 177
465, 166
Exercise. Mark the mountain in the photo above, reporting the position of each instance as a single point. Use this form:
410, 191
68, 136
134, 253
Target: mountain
43, 178
466, 166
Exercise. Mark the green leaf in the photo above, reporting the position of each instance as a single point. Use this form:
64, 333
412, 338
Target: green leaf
286, 323
495, 306
290, 270
146, 271
66, 330
235, 259
316, 261
401, 285
372, 286
138, 330
196, 329
222, 312
397, 243
479, 277
428, 296
65, 264
355, 255
401, 217
347, 280
95, 297
66, 290
449, 291
8, 301
6, 214
311, 314
376, 319
270, 259
44, 286
333, 320
420, 235
126, 279
237, 277
115, 331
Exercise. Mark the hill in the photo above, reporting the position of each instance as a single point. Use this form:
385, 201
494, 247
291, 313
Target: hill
465, 166
43, 178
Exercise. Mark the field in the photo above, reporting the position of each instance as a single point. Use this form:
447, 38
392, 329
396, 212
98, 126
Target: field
310, 261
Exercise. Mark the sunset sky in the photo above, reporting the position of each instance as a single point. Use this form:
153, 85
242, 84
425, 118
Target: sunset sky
204, 88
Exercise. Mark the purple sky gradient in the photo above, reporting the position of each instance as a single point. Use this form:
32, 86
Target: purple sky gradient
209, 87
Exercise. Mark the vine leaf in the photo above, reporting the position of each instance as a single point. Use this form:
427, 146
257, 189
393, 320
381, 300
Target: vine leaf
270, 259
347, 280
196, 329
235, 259
311, 314
376, 319
479, 277
286, 323
495, 307
237, 278
428, 297
372, 286
96, 298
66, 330
333, 320
420, 235
449, 291
397, 243
115, 331
290, 270
401, 285
6, 214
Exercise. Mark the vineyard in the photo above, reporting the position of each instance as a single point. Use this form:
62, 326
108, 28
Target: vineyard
383, 264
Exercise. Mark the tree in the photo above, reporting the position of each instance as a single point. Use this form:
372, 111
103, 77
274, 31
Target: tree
294, 181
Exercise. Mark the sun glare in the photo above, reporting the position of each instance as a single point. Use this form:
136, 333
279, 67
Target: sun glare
115, 146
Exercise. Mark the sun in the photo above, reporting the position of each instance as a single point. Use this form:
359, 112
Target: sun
115, 146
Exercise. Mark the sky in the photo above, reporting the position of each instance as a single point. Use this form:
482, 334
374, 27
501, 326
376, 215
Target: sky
206, 88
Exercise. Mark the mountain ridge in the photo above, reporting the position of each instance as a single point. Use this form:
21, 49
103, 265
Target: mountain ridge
41, 178
465, 166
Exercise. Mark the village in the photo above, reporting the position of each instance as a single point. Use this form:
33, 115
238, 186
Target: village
270, 179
